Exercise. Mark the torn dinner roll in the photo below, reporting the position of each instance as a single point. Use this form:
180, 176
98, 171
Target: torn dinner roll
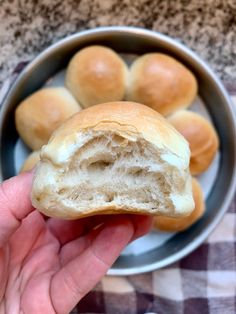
118, 157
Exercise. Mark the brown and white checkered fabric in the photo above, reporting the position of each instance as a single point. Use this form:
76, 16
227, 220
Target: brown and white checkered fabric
204, 282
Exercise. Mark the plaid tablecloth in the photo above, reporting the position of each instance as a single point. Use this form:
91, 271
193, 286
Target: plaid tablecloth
203, 282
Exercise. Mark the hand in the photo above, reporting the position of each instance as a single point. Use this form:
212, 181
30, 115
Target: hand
47, 266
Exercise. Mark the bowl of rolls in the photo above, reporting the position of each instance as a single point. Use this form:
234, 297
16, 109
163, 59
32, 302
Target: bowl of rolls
124, 120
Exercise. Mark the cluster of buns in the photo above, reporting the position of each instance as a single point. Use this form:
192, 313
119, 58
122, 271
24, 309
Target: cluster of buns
146, 159
97, 74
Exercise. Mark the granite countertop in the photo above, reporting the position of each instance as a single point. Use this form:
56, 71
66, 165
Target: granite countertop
206, 26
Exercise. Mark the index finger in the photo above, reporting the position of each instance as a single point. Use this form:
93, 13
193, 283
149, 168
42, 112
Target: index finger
15, 204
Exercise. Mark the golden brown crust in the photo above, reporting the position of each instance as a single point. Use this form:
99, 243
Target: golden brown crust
108, 210
169, 224
30, 161
41, 113
129, 118
201, 136
96, 74
162, 83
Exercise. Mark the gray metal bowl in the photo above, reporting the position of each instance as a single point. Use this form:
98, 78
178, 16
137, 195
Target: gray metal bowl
137, 41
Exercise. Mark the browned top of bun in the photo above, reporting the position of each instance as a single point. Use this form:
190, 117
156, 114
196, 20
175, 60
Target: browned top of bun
131, 118
96, 74
31, 161
161, 82
41, 113
201, 136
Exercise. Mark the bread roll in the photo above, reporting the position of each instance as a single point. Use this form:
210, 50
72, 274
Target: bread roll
31, 161
40, 114
112, 158
96, 74
180, 224
202, 138
161, 82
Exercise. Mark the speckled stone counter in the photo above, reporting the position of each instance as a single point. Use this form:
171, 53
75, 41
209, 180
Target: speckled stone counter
206, 26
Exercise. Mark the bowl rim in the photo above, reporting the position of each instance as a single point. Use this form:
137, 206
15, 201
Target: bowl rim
108, 30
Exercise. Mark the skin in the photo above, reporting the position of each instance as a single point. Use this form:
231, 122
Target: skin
48, 265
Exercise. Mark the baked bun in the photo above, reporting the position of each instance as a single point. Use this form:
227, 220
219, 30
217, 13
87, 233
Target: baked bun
40, 114
96, 74
161, 82
31, 161
202, 138
118, 157
182, 223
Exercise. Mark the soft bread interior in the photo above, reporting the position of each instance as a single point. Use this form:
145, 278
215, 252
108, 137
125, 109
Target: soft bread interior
107, 172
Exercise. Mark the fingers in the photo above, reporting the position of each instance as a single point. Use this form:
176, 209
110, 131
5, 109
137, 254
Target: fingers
73, 248
68, 230
142, 225
15, 204
82, 273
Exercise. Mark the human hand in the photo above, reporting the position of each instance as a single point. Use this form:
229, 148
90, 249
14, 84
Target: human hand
47, 266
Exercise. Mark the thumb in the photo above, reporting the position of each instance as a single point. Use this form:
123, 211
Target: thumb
15, 204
